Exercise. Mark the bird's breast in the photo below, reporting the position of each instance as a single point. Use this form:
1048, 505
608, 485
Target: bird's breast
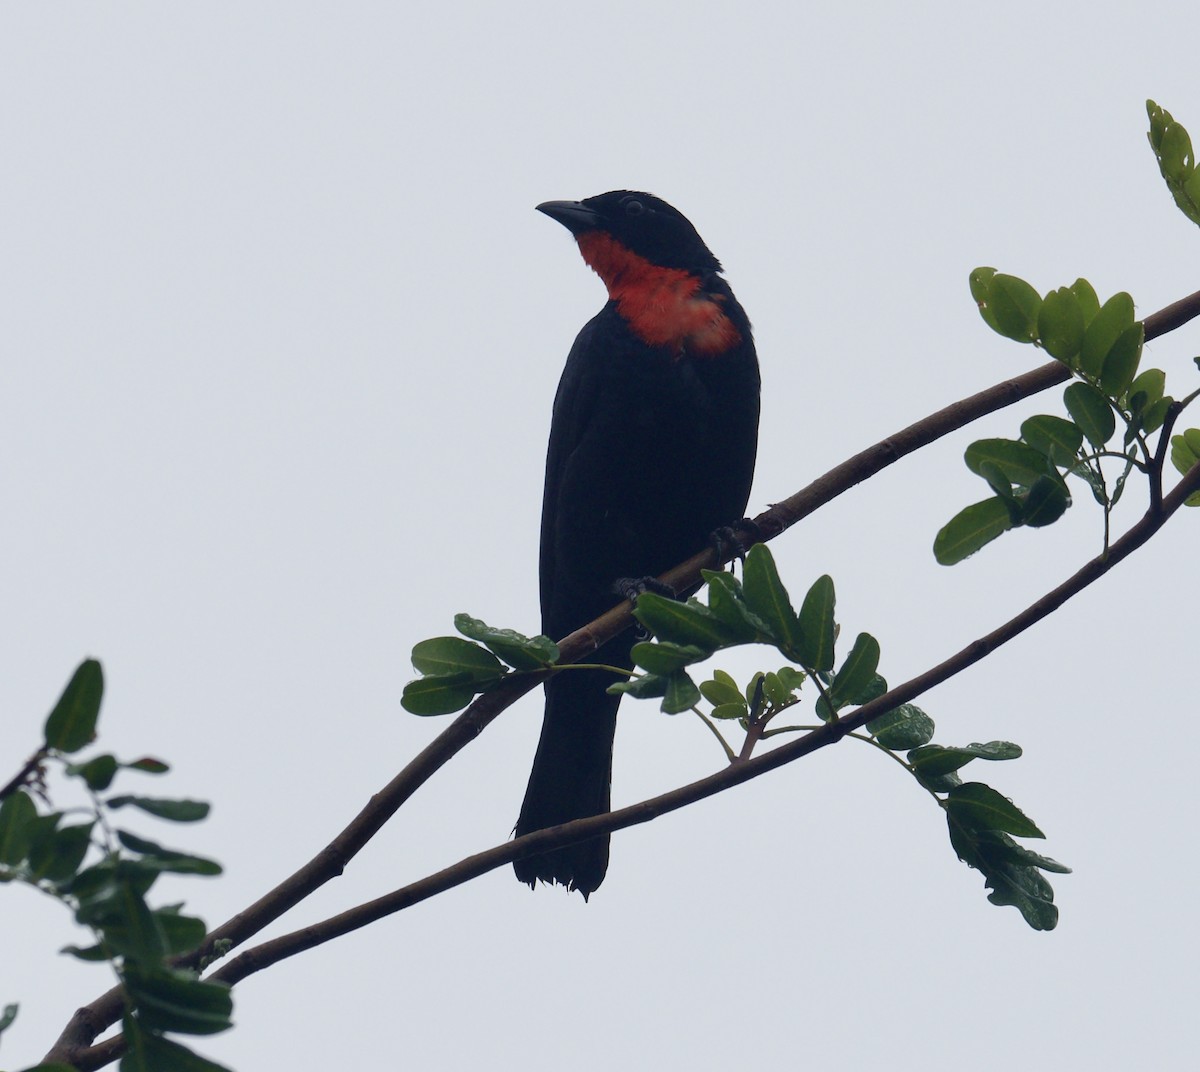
671, 310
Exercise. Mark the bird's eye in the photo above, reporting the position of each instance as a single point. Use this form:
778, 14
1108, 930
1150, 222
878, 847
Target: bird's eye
634, 208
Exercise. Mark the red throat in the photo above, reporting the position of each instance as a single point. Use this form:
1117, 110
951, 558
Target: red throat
663, 306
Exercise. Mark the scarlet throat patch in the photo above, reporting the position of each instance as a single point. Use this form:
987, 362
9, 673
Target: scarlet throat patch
663, 306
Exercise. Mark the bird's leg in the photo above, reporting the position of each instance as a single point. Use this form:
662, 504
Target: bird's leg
632, 587
727, 542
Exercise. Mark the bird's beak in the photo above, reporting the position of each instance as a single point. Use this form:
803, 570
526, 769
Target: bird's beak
575, 216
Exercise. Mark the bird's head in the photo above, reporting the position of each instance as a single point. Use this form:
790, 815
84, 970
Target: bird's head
620, 228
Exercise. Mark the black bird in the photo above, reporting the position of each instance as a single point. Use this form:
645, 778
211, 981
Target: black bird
652, 448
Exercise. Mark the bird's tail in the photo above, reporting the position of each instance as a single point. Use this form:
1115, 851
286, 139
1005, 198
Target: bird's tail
571, 779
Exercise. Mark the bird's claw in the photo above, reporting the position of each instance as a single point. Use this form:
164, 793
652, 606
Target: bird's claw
632, 587
727, 541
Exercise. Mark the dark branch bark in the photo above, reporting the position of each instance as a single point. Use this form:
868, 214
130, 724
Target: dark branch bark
73, 1045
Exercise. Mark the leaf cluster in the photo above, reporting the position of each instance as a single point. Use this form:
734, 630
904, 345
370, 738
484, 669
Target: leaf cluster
1173, 149
1102, 346
454, 671
758, 609
755, 610
103, 874
1185, 453
981, 821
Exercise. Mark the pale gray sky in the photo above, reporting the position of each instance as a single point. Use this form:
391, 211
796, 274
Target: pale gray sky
281, 330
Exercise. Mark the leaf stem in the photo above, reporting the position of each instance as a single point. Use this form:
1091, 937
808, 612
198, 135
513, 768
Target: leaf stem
729, 752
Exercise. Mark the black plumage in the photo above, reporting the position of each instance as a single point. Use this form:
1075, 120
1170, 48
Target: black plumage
652, 448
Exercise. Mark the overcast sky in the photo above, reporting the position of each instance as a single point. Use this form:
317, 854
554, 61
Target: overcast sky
280, 335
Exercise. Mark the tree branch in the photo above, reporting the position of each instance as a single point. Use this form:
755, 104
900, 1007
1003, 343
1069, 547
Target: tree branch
556, 837
88, 1021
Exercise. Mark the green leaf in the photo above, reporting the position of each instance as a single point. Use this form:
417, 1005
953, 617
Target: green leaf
97, 881
1182, 456
147, 765
98, 887
72, 723
1159, 118
773, 689
970, 529
1151, 384
153, 1053
1114, 318
1046, 502
1002, 848
997, 481
182, 933
1188, 197
979, 807
58, 855
41, 842
7, 1015
1019, 462
128, 925
1027, 891
722, 689
164, 859
793, 679
1121, 362
516, 649
1010, 871
92, 954
817, 626
17, 814
169, 1000
1091, 411
665, 658
1175, 156
727, 603
1089, 304
1061, 325
1015, 306
1185, 453
981, 282
730, 710
438, 694
1058, 439
936, 759
177, 811
442, 656
97, 773
1156, 413
769, 601
906, 726
682, 623
857, 674
938, 783
681, 693
641, 688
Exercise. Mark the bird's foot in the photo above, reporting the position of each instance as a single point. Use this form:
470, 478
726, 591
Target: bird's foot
632, 587
727, 540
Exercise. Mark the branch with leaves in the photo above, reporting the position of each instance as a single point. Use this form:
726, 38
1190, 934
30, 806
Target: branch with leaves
1095, 345
102, 873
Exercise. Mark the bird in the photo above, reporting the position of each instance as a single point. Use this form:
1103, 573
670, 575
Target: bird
652, 447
